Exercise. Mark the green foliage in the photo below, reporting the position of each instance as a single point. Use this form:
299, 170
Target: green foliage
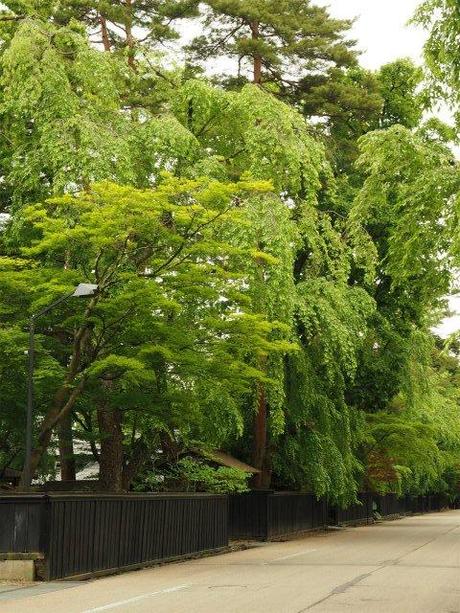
399, 85
169, 311
124, 28
197, 476
406, 204
250, 262
60, 111
441, 18
250, 133
13, 392
407, 208
419, 433
287, 37
323, 432
355, 101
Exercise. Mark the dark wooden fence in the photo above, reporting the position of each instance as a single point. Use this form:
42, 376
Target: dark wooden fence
386, 506
426, 504
390, 504
269, 515
80, 534
22, 523
360, 512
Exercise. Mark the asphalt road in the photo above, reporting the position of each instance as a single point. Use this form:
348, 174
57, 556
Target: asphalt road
409, 565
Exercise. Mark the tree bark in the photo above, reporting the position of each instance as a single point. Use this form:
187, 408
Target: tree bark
61, 407
104, 33
66, 396
257, 59
138, 459
111, 455
261, 458
66, 453
130, 40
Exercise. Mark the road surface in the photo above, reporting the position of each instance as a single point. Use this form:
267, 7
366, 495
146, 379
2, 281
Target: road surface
408, 565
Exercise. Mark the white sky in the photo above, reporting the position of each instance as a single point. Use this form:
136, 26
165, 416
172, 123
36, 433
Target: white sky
380, 28
450, 324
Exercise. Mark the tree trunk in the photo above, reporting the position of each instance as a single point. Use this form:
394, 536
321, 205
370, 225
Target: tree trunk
130, 40
169, 447
65, 397
61, 408
261, 459
257, 59
66, 454
138, 459
111, 455
104, 33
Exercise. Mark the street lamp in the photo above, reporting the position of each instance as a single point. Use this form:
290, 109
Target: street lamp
82, 290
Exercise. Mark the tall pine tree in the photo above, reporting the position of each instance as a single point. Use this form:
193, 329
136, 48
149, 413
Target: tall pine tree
274, 42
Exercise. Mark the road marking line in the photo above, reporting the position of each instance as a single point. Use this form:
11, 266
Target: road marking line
121, 603
293, 555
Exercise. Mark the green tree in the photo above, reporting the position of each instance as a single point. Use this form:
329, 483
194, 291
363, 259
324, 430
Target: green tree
415, 443
277, 41
354, 101
250, 130
127, 28
169, 308
400, 87
442, 20
60, 104
407, 209
348, 102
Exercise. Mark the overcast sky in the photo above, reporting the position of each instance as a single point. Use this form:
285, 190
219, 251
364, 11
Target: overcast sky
380, 28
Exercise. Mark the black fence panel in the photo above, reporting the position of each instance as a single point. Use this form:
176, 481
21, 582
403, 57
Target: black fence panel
417, 504
248, 515
360, 512
291, 512
21, 520
90, 533
80, 534
267, 514
436, 502
391, 504
454, 504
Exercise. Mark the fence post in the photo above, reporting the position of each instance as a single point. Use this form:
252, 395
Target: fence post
44, 539
268, 524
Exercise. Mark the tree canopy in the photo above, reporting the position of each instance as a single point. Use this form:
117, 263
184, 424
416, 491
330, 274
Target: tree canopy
441, 18
272, 248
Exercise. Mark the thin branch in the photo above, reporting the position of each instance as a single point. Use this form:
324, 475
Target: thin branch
187, 239
12, 17
65, 409
96, 265
211, 48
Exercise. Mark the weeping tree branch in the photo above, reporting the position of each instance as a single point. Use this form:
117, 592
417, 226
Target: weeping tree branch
12, 17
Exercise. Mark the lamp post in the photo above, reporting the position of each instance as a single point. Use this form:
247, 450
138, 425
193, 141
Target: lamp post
82, 290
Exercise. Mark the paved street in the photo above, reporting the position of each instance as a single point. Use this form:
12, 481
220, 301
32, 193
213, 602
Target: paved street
409, 565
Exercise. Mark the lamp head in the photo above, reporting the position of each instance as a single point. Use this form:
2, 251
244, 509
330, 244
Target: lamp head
85, 289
